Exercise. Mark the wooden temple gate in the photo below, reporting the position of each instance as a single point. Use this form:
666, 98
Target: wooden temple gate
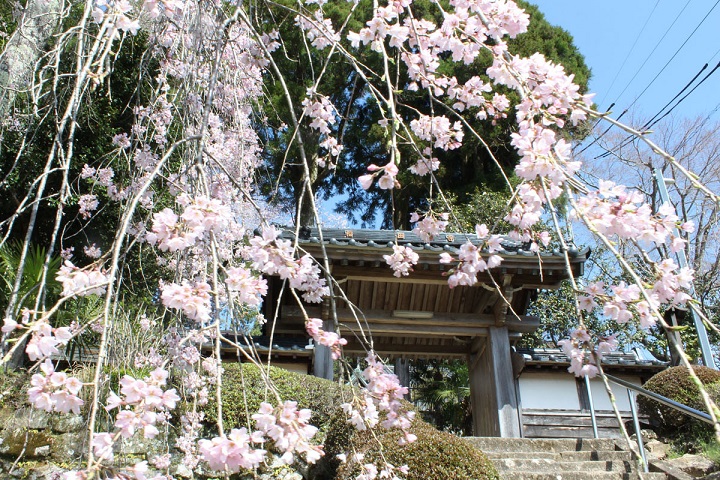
420, 316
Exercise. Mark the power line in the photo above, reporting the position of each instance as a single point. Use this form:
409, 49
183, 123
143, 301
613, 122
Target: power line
686, 95
654, 119
632, 48
676, 52
660, 72
681, 92
657, 44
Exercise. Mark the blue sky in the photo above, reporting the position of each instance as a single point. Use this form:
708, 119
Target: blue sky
605, 32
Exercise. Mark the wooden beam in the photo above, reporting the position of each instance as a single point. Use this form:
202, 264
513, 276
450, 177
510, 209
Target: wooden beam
522, 324
418, 330
504, 300
385, 348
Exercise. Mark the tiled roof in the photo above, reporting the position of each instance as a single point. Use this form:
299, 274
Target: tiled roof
297, 345
550, 356
385, 239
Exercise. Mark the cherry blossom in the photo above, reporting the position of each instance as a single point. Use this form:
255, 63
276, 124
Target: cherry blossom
82, 282
55, 391
289, 430
383, 393
402, 260
430, 226
192, 300
233, 452
322, 337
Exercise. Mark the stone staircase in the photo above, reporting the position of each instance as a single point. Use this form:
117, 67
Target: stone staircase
561, 459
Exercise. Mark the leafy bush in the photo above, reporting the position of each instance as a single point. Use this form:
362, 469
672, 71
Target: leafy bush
675, 383
244, 390
434, 455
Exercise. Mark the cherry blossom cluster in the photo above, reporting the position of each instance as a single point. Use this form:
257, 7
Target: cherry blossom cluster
55, 391
439, 129
548, 91
382, 395
249, 288
320, 110
192, 300
624, 302
90, 280
319, 30
387, 179
274, 256
329, 339
143, 404
426, 164
87, 204
613, 210
471, 261
370, 471
233, 452
430, 226
402, 260
102, 176
201, 216
44, 339
187, 442
93, 251
584, 353
323, 115
115, 13
289, 429
285, 425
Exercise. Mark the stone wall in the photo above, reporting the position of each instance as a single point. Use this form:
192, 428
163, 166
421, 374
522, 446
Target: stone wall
39, 445
35, 445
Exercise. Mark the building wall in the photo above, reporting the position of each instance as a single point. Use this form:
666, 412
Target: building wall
548, 391
600, 396
558, 390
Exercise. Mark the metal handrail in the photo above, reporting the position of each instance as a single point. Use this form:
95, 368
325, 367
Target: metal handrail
664, 400
631, 389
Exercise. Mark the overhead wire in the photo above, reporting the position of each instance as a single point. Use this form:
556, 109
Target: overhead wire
632, 48
658, 75
654, 120
676, 52
687, 94
657, 44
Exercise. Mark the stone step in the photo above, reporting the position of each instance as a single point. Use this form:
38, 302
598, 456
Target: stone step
581, 456
500, 445
552, 466
524, 475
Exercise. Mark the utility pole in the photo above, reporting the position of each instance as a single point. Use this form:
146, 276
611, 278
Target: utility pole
707, 355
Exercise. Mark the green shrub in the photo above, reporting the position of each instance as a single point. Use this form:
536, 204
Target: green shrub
244, 390
675, 383
435, 455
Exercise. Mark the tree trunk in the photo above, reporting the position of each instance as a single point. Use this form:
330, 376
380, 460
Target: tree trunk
17, 62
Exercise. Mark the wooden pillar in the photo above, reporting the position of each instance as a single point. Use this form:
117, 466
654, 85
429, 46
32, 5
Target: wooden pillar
402, 370
322, 356
492, 386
